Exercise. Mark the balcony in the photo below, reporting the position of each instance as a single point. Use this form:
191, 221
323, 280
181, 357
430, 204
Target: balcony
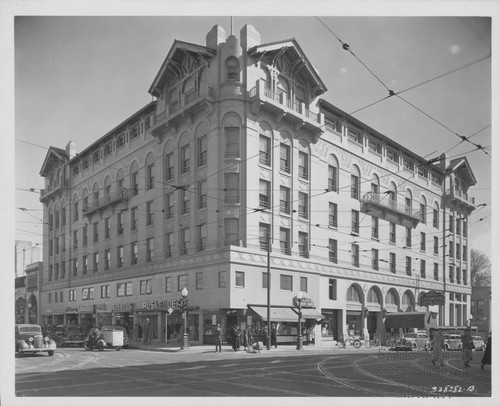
459, 200
54, 190
386, 209
296, 112
190, 104
108, 201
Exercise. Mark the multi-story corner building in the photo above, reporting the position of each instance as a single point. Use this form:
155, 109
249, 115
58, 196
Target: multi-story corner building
236, 155
481, 309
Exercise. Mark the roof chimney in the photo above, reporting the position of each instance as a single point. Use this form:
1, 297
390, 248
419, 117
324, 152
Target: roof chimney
71, 149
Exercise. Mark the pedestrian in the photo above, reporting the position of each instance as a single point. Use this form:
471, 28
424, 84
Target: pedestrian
274, 336
467, 347
218, 338
236, 337
487, 353
139, 333
147, 333
437, 345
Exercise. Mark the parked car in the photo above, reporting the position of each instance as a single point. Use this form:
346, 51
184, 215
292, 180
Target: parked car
29, 340
452, 342
126, 341
479, 343
418, 340
68, 334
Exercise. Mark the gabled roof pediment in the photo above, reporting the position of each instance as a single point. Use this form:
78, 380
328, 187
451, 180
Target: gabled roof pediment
172, 65
461, 167
299, 63
54, 158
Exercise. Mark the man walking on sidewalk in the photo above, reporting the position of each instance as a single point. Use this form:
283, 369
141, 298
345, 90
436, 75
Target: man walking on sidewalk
218, 338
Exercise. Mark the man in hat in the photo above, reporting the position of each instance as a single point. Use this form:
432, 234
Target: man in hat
218, 338
437, 344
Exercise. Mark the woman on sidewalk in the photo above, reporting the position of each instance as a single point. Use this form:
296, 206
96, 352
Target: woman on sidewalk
487, 353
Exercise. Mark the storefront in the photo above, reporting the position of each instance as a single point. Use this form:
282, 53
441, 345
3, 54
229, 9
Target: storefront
71, 315
331, 325
354, 322
123, 315
86, 316
212, 317
283, 318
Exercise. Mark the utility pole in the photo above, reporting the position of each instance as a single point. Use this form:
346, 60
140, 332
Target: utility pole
444, 245
268, 335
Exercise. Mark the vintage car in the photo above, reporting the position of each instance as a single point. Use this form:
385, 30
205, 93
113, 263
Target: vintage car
417, 341
452, 342
107, 332
479, 343
29, 340
68, 334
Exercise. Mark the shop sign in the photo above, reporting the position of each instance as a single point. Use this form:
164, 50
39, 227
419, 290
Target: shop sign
123, 307
85, 308
432, 298
71, 309
101, 307
159, 304
305, 302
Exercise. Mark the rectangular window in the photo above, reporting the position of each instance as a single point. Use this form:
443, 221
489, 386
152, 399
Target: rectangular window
451, 222
61, 296
392, 233
354, 135
464, 229
451, 274
56, 220
286, 282
184, 196
303, 205
264, 193
222, 279
239, 279
149, 249
63, 216
264, 150
184, 241
51, 272
150, 176
422, 242
355, 222
332, 289
285, 199
285, 158
459, 226
231, 182
436, 271
133, 218
232, 142
202, 150
374, 147
149, 213
422, 268
355, 187
332, 215
435, 218
72, 295
457, 251
374, 227
107, 259
392, 262
120, 141
75, 266
75, 211
285, 240
63, 269
169, 166
199, 280
303, 166
464, 253
169, 244
201, 237
119, 223
375, 259
202, 194
182, 282
169, 284
169, 212
96, 261
332, 179
303, 284
104, 291
408, 164
423, 213
231, 231
408, 206
124, 289
264, 280
135, 183
56, 245
85, 260
303, 244
355, 255
408, 266
408, 237
332, 251
450, 250
145, 287
63, 242
264, 236
436, 245
119, 256
106, 228
133, 253
56, 272
96, 231
185, 158
85, 294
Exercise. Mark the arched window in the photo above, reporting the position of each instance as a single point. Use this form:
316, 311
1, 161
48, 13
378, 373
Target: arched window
390, 298
333, 173
119, 181
393, 195
408, 202
107, 189
375, 188
150, 171
355, 182
353, 294
423, 210
232, 69
407, 299
95, 195
134, 178
435, 215
373, 296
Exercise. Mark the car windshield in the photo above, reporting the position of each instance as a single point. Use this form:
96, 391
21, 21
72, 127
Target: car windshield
30, 330
74, 330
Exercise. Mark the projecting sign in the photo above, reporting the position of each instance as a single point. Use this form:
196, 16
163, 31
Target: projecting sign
432, 298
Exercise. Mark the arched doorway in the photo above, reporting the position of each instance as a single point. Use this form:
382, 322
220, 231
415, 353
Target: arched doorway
354, 312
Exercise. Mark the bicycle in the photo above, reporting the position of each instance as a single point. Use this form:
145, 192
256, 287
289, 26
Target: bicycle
353, 341
375, 342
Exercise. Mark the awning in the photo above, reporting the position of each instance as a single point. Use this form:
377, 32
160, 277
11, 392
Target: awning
277, 313
310, 314
419, 320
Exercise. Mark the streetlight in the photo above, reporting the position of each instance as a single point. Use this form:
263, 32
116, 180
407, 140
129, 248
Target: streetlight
185, 338
299, 332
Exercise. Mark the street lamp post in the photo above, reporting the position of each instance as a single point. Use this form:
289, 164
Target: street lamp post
185, 337
299, 332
